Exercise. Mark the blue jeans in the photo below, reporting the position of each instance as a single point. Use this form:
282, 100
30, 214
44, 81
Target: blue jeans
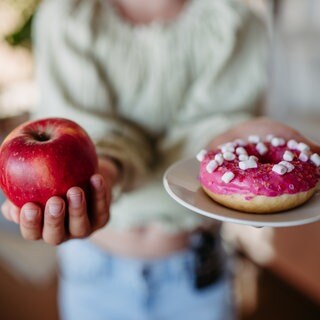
96, 285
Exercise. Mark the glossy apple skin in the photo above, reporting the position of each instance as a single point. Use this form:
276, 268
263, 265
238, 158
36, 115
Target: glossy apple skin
44, 158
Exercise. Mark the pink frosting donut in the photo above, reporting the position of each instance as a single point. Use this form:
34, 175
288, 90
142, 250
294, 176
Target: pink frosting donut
283, 174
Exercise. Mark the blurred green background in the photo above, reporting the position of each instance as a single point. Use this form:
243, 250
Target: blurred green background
21, 35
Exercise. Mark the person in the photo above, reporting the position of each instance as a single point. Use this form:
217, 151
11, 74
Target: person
152, 81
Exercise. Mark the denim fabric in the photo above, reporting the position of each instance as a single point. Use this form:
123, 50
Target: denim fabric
95, 285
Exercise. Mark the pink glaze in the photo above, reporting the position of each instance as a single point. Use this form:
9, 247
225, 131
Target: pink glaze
261, 180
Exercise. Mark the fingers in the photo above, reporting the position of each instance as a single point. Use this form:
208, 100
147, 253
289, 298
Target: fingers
51, 225
54, 229
101, 201
31, 222
79, 225
10, 211
54, 221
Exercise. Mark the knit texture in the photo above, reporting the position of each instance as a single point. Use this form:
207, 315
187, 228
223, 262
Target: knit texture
149, 95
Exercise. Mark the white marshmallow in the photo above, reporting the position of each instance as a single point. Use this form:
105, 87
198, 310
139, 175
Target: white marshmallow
261, 148
269, 137
247, 164
277, 142
288, 165
279, 169
227, 177
212, 166
292, 144
241, 150
303, 147
201, 154
254, 139
239, 142
282, 141
253, 158
227, 148
243, 157
303, 156
219, 158
229, 144
229, 156
315, 158
288, 155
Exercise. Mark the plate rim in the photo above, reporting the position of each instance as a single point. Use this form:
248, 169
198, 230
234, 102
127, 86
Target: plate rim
223, 218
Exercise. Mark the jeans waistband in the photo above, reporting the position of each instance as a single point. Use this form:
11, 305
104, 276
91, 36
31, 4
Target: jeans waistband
81, 258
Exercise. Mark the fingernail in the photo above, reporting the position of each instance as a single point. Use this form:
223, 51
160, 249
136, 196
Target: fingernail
75, 199
55, 209
30, 214
97, 182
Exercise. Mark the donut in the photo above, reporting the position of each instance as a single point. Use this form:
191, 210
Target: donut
258, 175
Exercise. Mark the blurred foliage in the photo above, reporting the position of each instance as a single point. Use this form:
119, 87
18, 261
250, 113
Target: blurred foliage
22, 35
26, 10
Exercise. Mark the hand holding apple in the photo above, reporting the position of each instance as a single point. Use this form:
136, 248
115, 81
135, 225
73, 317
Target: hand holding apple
44, 158
63, 213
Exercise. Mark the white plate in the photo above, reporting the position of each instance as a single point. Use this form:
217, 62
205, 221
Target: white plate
181, 182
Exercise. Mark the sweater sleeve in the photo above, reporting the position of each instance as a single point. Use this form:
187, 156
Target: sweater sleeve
74, 85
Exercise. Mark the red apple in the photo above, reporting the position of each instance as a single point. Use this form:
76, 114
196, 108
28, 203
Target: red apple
44, 158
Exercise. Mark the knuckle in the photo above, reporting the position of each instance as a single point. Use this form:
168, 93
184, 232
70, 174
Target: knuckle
54, 224
53, 237
102, 221
30, 226
81, 233
53, 241
31, 236
82, 236
101, 194
53, 233
77, 212
101, 207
